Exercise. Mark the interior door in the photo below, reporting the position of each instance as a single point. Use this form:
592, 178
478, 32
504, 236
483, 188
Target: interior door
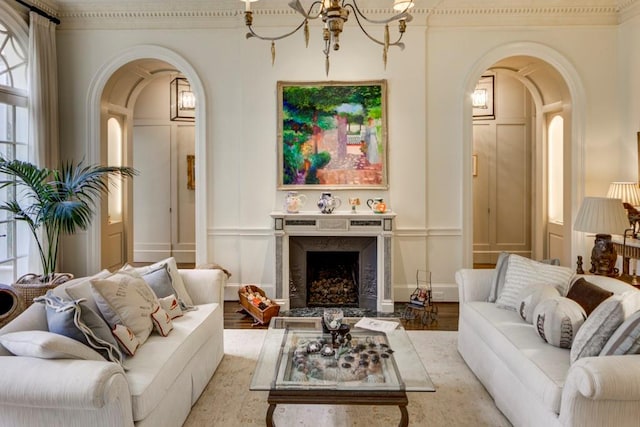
114, 230
152, 219
502, 175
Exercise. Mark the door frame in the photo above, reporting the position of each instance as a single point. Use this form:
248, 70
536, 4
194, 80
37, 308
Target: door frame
574, 143
94, 142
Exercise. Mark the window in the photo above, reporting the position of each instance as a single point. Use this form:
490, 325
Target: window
14, 237
114, 150
555, 161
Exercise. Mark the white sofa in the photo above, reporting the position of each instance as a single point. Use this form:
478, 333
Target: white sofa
534, 383
164, 378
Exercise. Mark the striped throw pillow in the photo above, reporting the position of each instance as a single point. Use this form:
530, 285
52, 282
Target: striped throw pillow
626, 339
523, 272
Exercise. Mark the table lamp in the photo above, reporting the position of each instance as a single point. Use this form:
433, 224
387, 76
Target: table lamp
603, 216
629, 193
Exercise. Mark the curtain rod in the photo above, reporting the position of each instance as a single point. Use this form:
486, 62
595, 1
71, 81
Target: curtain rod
39, 11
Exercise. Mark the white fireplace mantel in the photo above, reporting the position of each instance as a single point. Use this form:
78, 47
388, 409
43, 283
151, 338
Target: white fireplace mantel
309, 223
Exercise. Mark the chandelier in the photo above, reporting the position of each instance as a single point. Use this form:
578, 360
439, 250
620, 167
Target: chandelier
334, 14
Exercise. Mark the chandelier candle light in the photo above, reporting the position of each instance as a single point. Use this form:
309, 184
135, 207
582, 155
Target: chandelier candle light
334, 14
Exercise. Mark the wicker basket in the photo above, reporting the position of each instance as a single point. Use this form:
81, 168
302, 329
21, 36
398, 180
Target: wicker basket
261, 317
11, 304
29, 286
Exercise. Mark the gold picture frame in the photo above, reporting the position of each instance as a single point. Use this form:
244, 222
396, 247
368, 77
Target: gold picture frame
191, 172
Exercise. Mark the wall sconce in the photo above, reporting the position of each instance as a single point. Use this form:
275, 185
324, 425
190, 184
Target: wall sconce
479, 98
182, 101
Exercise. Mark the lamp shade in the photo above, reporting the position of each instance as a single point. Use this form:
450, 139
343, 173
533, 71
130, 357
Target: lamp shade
628, 192
601, 215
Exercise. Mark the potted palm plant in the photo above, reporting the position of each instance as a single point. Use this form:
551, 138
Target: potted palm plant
53, 202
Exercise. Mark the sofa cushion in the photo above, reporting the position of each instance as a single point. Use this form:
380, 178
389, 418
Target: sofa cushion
176, 280
602, 323
533, 295
523, 272
76, 320
588, 295
626, 339
126, 300
160, 360
47, 345
499, 274
160, 281
557, 320
542, 367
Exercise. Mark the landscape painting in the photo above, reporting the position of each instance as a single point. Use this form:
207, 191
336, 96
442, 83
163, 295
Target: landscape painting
332, 135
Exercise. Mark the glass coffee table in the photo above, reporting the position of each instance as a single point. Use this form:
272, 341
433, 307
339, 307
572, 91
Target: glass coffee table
299, 365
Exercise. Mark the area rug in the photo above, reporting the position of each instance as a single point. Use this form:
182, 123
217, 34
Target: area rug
459, 400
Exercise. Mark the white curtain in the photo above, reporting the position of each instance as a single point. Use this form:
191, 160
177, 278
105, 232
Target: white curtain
42, 77
43, 92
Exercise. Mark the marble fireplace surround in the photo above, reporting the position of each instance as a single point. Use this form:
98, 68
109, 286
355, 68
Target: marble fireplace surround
336, 228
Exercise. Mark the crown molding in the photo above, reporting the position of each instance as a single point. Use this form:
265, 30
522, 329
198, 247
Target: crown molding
199, 14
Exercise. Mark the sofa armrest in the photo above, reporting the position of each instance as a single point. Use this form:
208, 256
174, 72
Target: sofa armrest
204, 285
602, 391
474, 284
60, 383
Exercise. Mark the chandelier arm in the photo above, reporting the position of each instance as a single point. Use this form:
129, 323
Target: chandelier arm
402, 15
373, 39
297, 6
252, 33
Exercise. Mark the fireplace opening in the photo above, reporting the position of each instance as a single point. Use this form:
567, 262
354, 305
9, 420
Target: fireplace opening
332, 279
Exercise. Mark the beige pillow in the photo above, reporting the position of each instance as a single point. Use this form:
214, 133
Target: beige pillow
47, 345
176, 279
533, 295
127, 300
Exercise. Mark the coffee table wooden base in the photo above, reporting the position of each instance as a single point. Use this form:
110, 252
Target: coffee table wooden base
338, 397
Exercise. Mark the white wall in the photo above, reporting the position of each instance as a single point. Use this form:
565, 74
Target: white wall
426, 85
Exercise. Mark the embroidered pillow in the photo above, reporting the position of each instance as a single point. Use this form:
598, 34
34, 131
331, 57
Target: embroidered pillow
176, 279
523, 272
171, 306
126, 300
126, 339
161, 322
557, 321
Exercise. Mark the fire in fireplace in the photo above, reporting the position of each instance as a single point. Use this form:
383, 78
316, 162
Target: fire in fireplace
332, 279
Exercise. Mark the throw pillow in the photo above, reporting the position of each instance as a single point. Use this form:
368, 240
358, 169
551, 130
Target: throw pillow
76, 320
497, 282
80, 288
533, 295
126, 338
47, 345
588, 295
523, 272
602, 323
171, 306
161, 321
176, 278
160, 281
626, 339
557, 320
126, 300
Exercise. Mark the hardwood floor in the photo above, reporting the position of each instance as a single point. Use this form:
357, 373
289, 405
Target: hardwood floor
447, 318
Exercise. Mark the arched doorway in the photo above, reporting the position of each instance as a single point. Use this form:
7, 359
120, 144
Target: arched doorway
125, 77
555, 89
